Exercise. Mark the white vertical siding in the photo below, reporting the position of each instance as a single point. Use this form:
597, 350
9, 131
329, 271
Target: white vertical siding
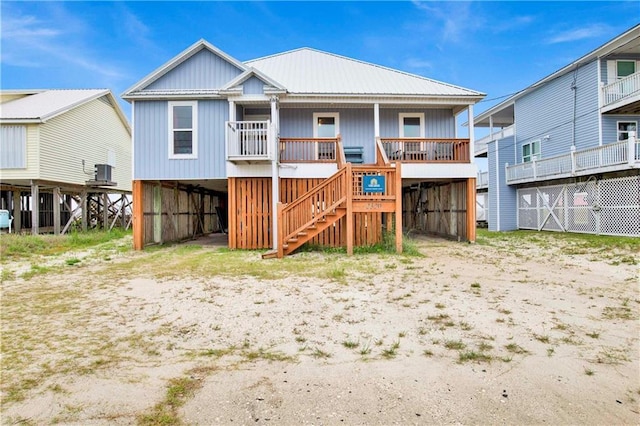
151, 139
204, 70
32, 151
13, 147
87, 133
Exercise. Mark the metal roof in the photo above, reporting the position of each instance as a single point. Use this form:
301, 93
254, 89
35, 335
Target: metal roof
46, 104
310, 71
38, 106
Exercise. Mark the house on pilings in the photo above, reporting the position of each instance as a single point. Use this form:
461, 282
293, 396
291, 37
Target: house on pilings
65, 160
301, 146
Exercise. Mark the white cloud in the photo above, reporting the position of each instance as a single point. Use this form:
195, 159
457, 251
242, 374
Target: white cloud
574, 34
418, 64
451, 20
51, 41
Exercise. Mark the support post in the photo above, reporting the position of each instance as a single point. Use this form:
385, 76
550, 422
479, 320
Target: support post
138, 215
472, 139
573, 160
232, 214
56, 211
17, 211
376, 120
471, 210
349, 221
84, 207
398, 191
631, 148
275, 173
35, 208
105, 211
279, 247
157, 214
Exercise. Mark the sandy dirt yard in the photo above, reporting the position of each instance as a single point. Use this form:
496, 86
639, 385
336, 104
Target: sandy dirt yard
525, 329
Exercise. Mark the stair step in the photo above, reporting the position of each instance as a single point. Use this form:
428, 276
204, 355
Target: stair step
271, 254
302, 234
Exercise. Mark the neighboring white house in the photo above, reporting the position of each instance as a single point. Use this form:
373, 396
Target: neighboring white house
60, 145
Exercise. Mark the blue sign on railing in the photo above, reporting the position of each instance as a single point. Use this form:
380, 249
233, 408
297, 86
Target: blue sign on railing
373, 184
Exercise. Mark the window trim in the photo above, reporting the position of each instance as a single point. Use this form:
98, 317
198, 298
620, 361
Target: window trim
618, 131
335, 115
403, 115
635, 67
531, 152
194, 130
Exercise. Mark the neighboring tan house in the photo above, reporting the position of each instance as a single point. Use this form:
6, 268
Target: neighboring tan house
344, 148
563, 153
60, 151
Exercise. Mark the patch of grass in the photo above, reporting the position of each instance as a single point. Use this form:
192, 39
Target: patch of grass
178, 392
550, 352
475, 285
438, 318
516, 349
319, 353
589, 372
428, 353
266, 355
454, 344
465, 326
466, 356
72, 261
350, 344
392, 351
544, 338
593, 335
618, 312
483, 347
365, 350
440, 305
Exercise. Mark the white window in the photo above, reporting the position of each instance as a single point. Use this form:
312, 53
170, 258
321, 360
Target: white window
624, 127
412, 125
625, 68
183, 129
531, 151
13, 147
326, 124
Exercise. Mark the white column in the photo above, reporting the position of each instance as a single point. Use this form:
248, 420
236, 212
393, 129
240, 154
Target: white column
232, 110
631, 148
376, 120
472, 141
35, 208
275, 175
491, 127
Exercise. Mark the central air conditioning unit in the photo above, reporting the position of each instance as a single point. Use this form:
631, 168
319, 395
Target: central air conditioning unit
103, 172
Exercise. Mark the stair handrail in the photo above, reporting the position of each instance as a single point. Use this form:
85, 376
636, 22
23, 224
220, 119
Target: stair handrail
284, 209
381, 155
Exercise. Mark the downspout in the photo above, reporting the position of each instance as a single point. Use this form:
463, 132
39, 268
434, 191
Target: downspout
274, 134
574, 87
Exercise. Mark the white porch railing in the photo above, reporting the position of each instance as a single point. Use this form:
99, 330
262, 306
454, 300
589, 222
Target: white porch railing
483, 180
620, 89
481, 144
602, 158
249, 140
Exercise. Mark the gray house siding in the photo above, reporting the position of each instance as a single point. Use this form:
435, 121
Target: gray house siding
151, 146
439, 123
253, 86
357, 125
548, 111
204, 70
502, 197
610, 126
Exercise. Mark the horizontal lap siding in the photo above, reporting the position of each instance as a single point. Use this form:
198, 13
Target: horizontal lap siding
204, 70
87, 133
548, 111
610, 126
151, 150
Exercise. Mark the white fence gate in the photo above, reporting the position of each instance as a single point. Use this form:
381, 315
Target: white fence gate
482, 206
607, 206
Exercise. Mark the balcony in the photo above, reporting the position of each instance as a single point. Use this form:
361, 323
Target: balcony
622, 96
481, 144
415, 150
607, 158
250, 141
482, 181
309, 150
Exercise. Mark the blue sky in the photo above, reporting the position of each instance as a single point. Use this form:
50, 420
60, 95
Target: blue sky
493, 47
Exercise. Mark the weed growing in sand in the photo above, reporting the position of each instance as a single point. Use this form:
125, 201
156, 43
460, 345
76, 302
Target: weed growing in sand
516, 349
618, 312
366, 349
593, 335
350, 344
466, 356
550, 352
392, 351
589, 372
544, 338
319, 353
427, 353
72, 261
454, 344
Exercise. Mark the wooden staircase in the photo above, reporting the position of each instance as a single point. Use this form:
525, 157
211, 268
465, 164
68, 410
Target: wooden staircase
339, 196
